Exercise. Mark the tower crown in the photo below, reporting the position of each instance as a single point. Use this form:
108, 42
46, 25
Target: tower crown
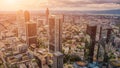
27, 16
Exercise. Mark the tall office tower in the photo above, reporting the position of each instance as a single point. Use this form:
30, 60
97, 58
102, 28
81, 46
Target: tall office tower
51, 34
55, 33
31, 30
55, 46
47, 15
20, 20
47, 12
91, 30
27, 16
31, 33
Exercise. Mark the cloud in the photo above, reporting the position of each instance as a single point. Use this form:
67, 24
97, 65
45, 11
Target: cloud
84, 2
87, 4
106, 1
64, 4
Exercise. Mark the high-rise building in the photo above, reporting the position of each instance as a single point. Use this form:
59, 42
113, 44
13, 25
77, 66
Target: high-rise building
55, 46
27, 16
20, 20
31, 30
47, 12
55, 33
91, 30
47, 15
31, 33
52, 34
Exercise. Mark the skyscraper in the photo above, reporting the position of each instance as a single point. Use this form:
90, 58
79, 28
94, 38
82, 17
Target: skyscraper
47, 15
31, 30
51, 34
47, 12
55, 35
20, 20
27, 16
91, 30
31, 33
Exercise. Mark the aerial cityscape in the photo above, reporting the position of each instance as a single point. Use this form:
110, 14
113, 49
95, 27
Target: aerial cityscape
59, 33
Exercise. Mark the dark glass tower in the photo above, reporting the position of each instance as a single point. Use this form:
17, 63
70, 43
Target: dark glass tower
91, 30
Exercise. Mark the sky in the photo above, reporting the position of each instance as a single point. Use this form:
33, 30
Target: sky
78, 5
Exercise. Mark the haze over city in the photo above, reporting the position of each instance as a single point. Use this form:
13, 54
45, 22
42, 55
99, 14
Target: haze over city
59, 33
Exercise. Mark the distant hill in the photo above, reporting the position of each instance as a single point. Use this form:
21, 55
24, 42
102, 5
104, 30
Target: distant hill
105, 12
114, 12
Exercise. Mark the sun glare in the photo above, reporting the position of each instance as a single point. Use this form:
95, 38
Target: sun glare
10, 2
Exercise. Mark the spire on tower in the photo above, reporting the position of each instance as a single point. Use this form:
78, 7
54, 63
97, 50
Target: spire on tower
47, 12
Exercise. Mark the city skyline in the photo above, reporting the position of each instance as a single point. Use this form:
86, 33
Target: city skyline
68, 5
48, 34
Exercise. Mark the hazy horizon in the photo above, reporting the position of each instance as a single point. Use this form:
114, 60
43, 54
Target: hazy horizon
99, 12
68, 5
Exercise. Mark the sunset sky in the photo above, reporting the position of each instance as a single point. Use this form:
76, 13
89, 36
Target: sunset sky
60, 4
